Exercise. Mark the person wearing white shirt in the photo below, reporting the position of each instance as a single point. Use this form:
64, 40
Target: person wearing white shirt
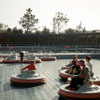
88, 59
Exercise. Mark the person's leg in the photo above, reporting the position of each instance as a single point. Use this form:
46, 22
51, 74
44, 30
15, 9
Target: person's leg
81, 81
70, 70
21, 59
74, 71
73, 83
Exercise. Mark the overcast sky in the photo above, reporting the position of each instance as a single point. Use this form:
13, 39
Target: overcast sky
85, 11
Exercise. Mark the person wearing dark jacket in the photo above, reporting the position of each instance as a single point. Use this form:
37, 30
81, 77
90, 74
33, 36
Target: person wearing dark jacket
21, 56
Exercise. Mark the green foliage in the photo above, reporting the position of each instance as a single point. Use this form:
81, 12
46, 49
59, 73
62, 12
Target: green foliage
28, 21
45, 31
70, 30
18, 31
3, 27
50, 39
79, 27
9, 30
14, 30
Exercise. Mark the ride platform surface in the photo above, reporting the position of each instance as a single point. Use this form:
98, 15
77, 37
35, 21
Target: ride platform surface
47, 91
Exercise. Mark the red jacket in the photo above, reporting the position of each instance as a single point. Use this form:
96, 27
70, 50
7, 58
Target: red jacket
83, 75
29, 67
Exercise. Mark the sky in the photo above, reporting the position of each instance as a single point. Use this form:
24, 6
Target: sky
85, 11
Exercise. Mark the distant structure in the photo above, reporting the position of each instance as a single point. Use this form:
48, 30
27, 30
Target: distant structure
50, 39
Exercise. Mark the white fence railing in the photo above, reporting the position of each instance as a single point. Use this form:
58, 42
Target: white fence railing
80, 48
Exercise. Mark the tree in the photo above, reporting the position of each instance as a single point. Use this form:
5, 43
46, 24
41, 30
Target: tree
54, 25
45, 30
9, 30
28, 21
84, 29
58, 20
70, 30
79, 27
3, 27
18, 31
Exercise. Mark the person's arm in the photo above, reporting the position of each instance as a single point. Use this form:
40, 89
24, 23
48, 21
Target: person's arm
70, 63
92, 69
24, 68
33, 68
87, 74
